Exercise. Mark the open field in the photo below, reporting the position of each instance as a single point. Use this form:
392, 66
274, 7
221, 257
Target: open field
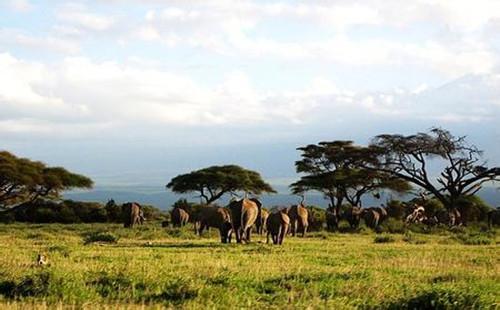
154, 266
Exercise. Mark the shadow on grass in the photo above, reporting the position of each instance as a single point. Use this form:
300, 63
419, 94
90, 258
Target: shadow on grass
175, 245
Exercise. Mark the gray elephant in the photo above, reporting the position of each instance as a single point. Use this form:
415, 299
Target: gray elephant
277, 224
216, 217
244, 213
179, 217
494, 217
261, 221
353, 216
371, 217
299, 216
132, 214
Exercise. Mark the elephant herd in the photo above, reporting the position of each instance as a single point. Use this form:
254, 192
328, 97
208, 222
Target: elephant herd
372, 216
242, 216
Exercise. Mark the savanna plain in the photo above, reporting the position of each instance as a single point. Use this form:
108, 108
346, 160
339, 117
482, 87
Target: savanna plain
107, 266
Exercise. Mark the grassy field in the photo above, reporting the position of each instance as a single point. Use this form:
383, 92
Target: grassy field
151, 266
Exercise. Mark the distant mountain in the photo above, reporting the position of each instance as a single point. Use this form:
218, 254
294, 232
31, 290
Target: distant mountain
163, 199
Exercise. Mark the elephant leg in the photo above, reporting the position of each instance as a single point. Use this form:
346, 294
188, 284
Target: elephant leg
304, 230
282, 235
267, 237
248, 234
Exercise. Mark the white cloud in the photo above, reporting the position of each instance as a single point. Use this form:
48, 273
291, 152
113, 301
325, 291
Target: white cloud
14, 37
20, 5
108, 95
78, 15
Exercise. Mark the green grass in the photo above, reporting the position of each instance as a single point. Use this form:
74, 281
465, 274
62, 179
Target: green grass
161, 267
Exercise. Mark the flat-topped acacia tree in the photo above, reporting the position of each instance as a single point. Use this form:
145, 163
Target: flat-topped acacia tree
24, 180
334, 169
215, 181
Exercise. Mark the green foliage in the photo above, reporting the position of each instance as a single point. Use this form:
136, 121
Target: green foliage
473, 208
411, 238
98, 236
393, 226
336, 169
396, 209
69, 211
215, 181
22, 179
438, 298
384, 239
317, 217
35, 285
474, 238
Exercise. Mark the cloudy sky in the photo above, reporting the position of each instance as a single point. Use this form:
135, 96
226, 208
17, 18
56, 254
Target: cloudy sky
134, 92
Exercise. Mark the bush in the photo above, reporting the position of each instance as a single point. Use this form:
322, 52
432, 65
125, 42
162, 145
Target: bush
393, 226
474, 239
112, 286
438, 299
317, 217
177, 291
36, 285
100, 237
411, 238
383, 239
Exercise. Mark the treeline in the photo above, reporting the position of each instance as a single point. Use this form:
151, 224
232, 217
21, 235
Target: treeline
69, 211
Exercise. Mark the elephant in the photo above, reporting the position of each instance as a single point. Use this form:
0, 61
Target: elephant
132, 214
179, 217
277, 224
353, 216
298, 218
244, 213
371, 217
217, 217
382, 213
494, 217
332, 219
261, 221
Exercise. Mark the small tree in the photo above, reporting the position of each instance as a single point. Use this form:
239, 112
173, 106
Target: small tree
336, 170
24, 180
213, 182
409, 157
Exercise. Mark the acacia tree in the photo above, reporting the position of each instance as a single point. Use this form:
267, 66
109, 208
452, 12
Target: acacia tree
409, 158
336, 170
24, 180
213, 182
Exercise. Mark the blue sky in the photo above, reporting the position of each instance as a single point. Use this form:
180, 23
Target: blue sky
135, 92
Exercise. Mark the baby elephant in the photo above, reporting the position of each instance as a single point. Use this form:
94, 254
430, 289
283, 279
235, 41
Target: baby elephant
277, 224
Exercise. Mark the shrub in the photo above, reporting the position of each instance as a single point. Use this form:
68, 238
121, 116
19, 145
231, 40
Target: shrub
383, 239
411, 238
474, 239
393, 226
100, 237
177, 291
317, 217
35, 285
112, 286
438, 299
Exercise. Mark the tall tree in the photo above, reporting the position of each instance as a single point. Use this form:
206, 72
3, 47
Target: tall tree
409, 158
22, 180
213, 182
336, 169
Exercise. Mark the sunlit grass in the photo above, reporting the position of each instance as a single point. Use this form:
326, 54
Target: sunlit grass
152, 266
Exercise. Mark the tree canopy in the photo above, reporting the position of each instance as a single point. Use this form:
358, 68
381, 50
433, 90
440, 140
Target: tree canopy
22, 180
336, 169
215, 181
409, 158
